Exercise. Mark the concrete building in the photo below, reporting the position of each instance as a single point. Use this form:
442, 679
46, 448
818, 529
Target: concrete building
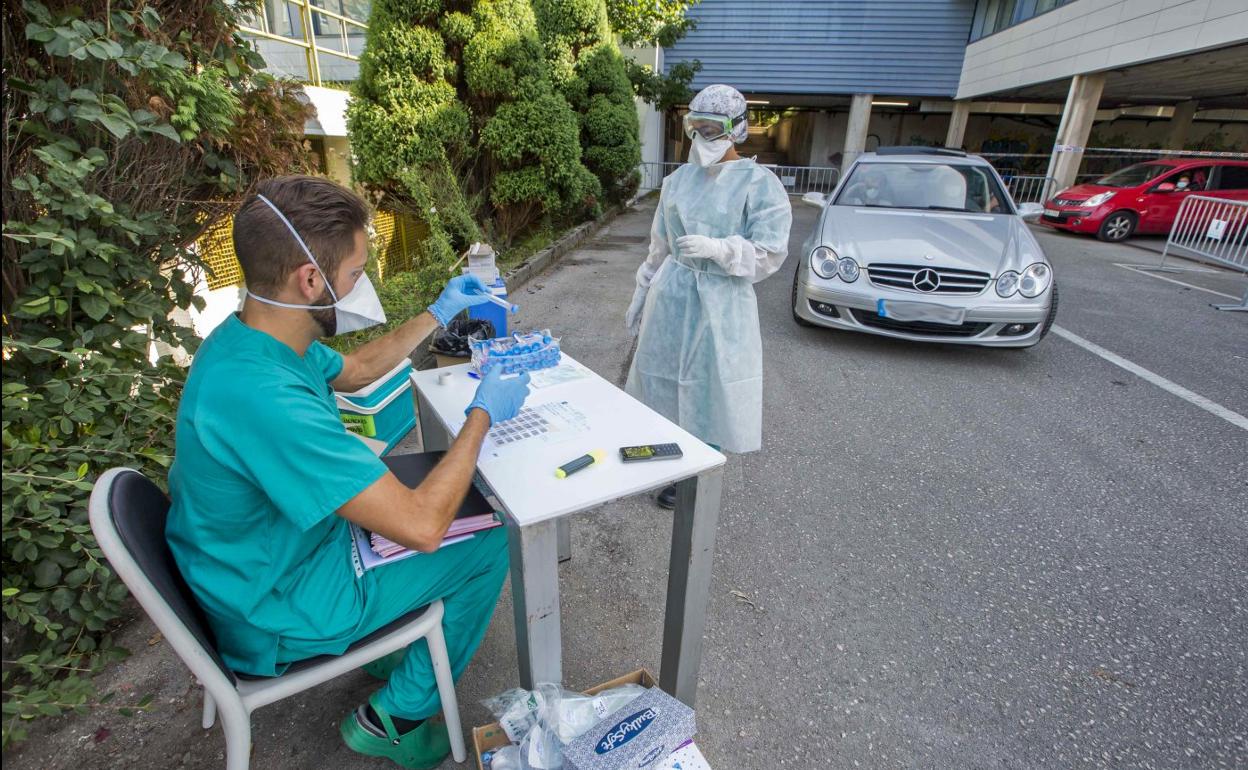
994, 76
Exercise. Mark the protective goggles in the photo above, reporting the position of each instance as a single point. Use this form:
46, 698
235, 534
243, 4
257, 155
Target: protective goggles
710, 125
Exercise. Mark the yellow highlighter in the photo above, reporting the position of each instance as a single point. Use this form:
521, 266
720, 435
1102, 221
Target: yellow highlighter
580, 463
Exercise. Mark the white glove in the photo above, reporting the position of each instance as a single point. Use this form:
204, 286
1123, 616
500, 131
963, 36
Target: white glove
632, 319
702, 247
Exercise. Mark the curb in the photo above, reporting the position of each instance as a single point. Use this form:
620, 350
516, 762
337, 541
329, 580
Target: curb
518, 276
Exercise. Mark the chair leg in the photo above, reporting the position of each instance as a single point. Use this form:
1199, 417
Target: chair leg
236, 723
446, 692
210, 710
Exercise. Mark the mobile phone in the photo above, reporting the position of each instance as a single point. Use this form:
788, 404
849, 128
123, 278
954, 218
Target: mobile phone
636, 454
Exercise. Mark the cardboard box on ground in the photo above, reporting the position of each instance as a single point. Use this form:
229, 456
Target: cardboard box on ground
642, 734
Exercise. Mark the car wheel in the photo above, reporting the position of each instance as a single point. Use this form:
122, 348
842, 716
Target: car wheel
1118, 226
793, 300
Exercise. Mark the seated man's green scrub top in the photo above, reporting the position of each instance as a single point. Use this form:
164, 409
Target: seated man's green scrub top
262, 463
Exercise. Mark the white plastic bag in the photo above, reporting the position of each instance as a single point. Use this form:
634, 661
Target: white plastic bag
516, 711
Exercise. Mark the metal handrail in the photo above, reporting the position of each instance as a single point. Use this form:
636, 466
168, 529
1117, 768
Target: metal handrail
312, 48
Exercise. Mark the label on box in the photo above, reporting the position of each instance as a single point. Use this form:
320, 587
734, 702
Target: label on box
638, 737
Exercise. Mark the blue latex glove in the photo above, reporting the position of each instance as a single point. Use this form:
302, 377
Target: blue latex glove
500, 398
461, 293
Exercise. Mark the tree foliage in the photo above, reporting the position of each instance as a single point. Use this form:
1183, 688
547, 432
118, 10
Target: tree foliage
649, 23
456, 118
592, 75
126, 124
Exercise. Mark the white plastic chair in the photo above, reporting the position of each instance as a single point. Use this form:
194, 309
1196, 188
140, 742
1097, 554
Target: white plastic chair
128, 518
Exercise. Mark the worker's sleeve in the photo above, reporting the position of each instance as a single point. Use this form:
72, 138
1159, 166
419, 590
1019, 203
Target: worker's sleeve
290, 443
325, 360
765, 245
659, 247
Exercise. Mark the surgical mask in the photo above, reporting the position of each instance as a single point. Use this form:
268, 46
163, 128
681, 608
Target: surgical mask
703, 153
358, 309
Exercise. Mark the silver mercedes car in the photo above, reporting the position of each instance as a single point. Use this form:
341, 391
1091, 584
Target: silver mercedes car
925, 244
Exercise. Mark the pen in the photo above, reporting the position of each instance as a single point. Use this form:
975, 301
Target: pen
580, 463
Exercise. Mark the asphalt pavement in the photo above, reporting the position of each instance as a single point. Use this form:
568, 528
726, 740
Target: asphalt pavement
942, 557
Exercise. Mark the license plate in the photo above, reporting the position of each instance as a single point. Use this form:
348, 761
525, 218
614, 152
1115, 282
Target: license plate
920, 311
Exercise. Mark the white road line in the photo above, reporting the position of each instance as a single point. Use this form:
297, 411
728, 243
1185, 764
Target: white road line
1234, 418
1180, 283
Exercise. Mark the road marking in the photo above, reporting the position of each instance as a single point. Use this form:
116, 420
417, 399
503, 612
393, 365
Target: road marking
1234, 418
1180, 283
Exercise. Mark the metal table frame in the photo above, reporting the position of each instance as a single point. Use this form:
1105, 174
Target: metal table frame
536, 550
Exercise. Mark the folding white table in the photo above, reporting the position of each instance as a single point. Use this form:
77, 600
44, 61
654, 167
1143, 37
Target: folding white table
522, 477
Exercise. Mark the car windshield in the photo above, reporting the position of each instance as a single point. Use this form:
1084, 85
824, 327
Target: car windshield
1134, 176
934, 186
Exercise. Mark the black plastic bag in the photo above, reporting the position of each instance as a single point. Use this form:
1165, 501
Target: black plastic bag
453, 340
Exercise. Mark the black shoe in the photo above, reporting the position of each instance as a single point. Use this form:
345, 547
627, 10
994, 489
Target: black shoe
667, 498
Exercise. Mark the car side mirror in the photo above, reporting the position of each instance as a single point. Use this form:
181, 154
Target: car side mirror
1164, 187
1030, 211
815, 199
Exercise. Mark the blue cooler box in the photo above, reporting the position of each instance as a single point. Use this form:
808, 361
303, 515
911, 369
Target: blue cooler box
384, 410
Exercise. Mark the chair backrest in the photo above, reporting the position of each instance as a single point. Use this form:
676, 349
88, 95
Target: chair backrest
128, 515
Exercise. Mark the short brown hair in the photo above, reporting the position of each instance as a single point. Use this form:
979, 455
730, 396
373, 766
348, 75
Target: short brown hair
326, 215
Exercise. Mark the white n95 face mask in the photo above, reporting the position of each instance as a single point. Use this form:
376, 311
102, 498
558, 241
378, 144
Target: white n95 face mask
358, 309
707, 153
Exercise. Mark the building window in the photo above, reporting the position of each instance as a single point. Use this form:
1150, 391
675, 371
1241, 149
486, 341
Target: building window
995, 15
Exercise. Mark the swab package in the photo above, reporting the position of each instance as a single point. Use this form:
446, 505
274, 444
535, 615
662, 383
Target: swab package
521, 352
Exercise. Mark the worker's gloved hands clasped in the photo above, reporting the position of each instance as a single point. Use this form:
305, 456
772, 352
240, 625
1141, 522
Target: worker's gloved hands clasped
461, 293
702, 247
500, 398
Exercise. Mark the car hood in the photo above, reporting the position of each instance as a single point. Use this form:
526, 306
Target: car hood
988, 243
1082, 192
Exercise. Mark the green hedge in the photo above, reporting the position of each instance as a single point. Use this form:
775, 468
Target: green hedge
127, 125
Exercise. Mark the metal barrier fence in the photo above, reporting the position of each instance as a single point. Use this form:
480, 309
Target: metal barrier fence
1030, 189
797, 180
1215, 229
1097, 161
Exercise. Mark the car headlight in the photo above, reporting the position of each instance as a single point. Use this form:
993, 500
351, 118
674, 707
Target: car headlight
1007, 283
847, 269
823, 261
1035, 280
1098, 199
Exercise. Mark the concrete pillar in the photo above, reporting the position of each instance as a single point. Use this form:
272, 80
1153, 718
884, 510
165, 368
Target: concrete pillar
820, 139
1076, 126
956, 136
856, 132
1180, 124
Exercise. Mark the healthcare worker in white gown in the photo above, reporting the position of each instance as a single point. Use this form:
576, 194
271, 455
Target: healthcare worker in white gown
722, 225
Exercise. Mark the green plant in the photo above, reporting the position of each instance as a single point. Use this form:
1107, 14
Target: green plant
590, 72
124, 128
655, 22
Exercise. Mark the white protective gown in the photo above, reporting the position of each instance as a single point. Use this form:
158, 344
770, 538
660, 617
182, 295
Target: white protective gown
699, 359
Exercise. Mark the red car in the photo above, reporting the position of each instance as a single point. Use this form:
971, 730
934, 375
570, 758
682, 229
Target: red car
1143, 198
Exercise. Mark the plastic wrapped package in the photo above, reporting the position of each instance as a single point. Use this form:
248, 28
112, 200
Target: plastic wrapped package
543, 720
518, 353
504, 758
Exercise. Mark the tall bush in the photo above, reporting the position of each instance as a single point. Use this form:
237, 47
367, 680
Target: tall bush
455, 116
126, 122
590, 72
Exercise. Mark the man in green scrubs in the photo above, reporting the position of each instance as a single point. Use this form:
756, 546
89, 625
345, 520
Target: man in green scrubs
266, 478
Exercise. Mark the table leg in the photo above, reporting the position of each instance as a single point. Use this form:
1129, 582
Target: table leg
535, 598
689, 582
433, 436
563, 529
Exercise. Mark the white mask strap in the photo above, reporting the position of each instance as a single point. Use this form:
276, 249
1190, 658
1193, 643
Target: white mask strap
303, 246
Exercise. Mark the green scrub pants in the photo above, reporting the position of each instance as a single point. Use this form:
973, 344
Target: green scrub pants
467, 577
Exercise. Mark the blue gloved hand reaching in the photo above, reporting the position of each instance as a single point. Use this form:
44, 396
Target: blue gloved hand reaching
500, 398
461, 293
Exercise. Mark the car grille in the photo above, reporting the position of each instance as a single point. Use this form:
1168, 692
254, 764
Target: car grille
951, 280
1067, 202
876, 321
